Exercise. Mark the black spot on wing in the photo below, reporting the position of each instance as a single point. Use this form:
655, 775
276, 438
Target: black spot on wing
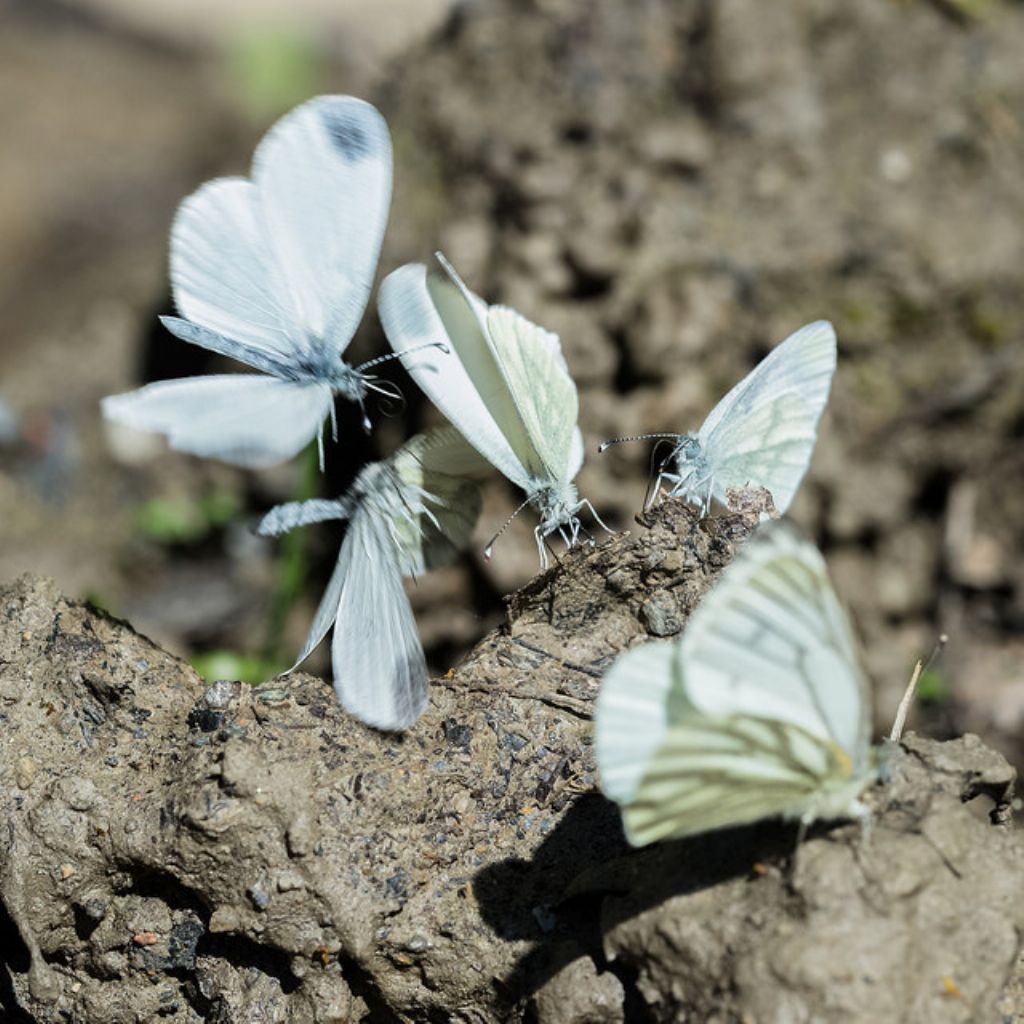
347, 135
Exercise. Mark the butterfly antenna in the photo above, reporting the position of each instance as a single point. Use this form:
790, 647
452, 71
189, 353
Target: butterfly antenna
398, 355
655, 473
505, 526
605, 445
367, 425
394, 400
919, 669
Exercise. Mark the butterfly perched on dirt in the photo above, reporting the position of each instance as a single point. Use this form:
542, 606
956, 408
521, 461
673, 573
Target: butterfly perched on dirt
760, 708
501, 380
762, 433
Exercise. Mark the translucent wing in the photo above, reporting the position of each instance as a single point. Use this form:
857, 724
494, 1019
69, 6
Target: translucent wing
437, 468
323, 175
772, 640
544, 394
246, 419
763, 431
463, 380
223, 276
575, 455
380, 672
760, 709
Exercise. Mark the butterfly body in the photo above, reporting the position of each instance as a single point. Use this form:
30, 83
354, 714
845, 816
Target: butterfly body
694, 477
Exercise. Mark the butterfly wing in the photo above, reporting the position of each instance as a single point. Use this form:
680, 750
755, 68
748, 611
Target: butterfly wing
323, 177
543, 392
462, 379
760, 709
246, 419
713, 773
224, 278
380, 672
439, 469
763, 431
772, 640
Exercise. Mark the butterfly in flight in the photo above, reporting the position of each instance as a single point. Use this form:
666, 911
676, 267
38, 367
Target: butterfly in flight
406, 515
275, 272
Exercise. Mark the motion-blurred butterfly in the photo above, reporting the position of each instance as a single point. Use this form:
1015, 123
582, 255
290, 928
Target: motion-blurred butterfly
762, 433
275, 272
501, 380
406, 515
759, 709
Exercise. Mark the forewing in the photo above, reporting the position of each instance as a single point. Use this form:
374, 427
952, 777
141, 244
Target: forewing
710, 773
462, 379
323, 174
762, 432
543, 392
380, 672
771, 640
248, 420
223, 277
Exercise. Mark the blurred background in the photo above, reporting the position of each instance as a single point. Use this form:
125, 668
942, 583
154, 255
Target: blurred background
672, 185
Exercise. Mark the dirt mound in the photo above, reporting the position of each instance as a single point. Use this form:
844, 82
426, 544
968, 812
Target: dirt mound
182, 852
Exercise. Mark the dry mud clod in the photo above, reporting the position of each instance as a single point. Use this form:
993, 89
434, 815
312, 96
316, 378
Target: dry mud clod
181, 852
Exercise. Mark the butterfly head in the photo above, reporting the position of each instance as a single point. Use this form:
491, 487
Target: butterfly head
686, 449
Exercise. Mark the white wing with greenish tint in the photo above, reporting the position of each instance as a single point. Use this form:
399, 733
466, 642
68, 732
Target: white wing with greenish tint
543, 393
462, 378
762, 433
760, 709
772, 640
439, 469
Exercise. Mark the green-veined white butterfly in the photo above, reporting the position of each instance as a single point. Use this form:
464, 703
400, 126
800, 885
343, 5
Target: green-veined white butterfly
759, 709
275, 272
762, 433
501, 380
406, 515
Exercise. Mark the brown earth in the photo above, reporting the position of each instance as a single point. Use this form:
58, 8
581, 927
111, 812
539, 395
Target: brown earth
181, 852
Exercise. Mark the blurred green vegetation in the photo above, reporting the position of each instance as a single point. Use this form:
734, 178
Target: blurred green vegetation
249, 668
185, 521
933, 687
271, 69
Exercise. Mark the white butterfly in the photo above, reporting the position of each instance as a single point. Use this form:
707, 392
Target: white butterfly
406, 515
276, 273
762, 433
501, 380
760, 709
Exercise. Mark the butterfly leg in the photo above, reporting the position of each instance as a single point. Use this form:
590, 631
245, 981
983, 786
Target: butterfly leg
541, 539
585, 504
